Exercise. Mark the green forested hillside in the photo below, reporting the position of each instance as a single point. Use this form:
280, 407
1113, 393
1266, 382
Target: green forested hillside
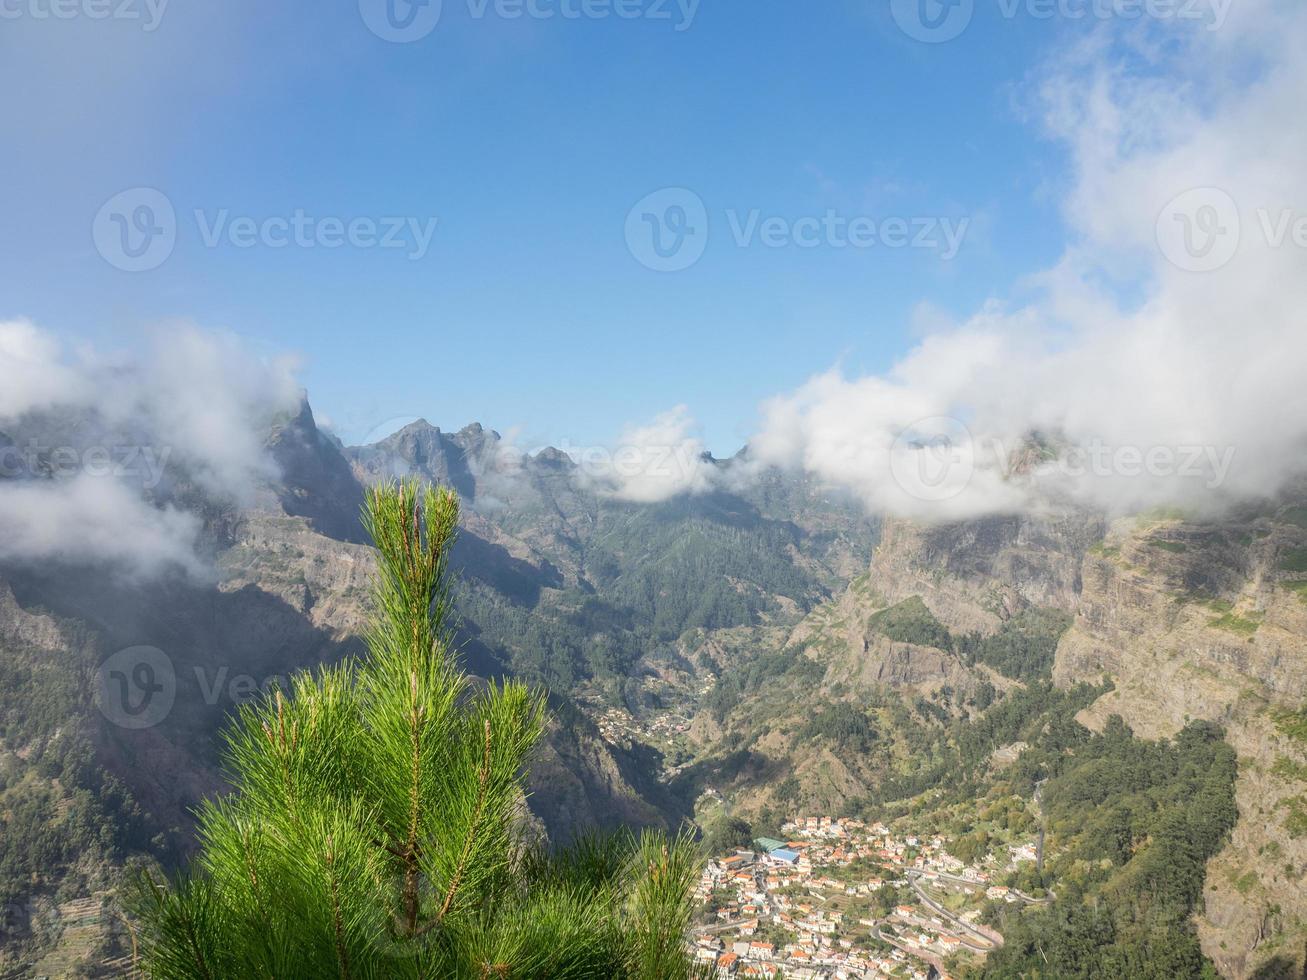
649, 574
1131, 824
1023, 647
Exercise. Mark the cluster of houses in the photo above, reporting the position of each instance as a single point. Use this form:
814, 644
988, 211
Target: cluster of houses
772, 910
619, 727
837, 842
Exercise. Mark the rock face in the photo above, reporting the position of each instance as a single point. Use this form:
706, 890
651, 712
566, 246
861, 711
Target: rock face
316, 481
975, 574
422, 450
1208, 621
971, 576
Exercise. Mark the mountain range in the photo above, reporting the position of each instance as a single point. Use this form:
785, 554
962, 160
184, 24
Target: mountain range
752, 650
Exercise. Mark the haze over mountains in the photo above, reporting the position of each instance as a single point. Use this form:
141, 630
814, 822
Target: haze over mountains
559, 585
702, 651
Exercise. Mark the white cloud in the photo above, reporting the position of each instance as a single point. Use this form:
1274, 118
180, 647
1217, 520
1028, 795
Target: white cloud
1202, 377
211, 400
650, 463
93, 518
33, 372
195, 406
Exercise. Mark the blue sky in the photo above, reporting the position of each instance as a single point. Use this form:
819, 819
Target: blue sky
529, 141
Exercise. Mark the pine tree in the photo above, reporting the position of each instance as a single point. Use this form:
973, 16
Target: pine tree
375, 828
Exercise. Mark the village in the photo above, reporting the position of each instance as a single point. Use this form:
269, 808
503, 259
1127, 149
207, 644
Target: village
666, 732
842, 899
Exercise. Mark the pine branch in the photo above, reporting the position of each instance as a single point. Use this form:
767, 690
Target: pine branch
196, 951
415, 790
192, 940
338, 927
483, 781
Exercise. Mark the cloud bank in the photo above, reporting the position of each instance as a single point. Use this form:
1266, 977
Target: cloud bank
88, 519
93, 447
650, 463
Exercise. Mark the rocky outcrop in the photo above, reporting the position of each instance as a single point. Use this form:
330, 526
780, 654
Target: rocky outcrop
974, 574
315, 480
1207, 621
970, 575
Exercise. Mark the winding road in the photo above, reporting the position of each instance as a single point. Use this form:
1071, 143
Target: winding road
982, 941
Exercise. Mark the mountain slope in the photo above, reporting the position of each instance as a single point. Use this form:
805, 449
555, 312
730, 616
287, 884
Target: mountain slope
564, 586
1208, 620
944, 649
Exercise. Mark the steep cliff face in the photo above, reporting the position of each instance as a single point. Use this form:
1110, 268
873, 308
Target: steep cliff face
974, 574
971, 577
1208, 621
848, 638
